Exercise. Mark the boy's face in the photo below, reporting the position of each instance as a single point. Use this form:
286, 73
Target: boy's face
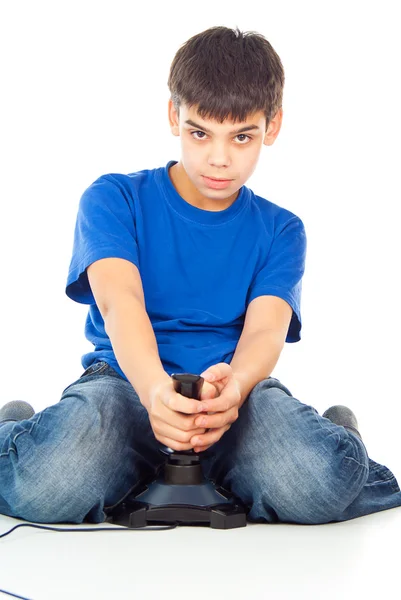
212, 149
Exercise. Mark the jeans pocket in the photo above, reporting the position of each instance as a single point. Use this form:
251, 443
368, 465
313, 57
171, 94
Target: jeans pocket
97, 367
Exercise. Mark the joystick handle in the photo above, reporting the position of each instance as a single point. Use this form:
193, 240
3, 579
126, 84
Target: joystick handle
188, 385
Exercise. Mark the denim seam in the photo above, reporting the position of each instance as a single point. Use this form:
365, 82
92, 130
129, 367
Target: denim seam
356, 461
326, 428
339, 441
29, 430
385, 478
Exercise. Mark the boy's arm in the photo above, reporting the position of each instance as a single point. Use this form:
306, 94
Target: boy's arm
117, 288
263, 337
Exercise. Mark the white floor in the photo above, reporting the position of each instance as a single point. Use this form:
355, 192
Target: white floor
353, 559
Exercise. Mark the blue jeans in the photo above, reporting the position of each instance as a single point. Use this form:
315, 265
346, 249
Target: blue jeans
75, 459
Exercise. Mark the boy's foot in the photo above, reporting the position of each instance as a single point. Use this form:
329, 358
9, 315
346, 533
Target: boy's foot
342, 415
16, 410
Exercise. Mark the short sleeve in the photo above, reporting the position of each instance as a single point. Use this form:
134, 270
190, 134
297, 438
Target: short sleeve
105, 227
282, 273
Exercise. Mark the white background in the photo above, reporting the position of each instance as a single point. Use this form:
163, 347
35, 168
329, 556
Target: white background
84, 92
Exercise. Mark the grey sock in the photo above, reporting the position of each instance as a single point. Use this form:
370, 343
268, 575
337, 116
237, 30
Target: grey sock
342, 415
16, 410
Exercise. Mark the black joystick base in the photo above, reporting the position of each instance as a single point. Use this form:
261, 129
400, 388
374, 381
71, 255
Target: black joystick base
181, 495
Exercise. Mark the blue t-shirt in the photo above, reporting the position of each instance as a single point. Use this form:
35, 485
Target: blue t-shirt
200, 269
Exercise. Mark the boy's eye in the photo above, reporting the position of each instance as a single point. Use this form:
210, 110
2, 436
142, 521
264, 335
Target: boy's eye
240, 135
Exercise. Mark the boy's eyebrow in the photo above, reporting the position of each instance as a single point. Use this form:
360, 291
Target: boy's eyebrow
246, 128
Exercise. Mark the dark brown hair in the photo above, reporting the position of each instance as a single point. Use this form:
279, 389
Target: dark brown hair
227, 73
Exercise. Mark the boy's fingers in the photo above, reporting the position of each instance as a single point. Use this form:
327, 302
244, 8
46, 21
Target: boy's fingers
182, 404
218, 419
209, 391
217, 372
210, 437
202, 448
230, 396
173, 444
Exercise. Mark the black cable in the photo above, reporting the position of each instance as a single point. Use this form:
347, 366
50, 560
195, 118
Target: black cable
13, 595
151, 528
69, 529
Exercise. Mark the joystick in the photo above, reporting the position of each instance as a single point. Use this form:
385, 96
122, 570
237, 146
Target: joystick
180, 494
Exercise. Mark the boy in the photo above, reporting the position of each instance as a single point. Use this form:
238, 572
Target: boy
185, 269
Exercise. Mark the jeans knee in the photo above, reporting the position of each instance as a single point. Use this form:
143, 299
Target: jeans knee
308, 472
75, 455
309, 487
52, 479
55, 496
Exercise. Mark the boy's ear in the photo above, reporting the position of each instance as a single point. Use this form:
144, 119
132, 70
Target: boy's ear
274, 128
173, 118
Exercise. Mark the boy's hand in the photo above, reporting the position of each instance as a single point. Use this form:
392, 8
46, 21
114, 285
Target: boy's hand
172, 415
222, 410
